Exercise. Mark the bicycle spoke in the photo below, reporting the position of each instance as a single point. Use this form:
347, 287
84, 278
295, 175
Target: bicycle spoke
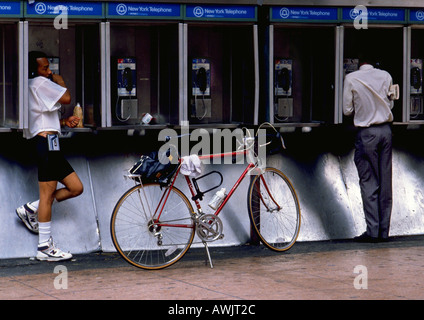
146, 237
274, 210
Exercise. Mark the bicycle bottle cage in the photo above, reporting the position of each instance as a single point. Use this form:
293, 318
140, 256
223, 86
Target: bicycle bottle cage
199, 194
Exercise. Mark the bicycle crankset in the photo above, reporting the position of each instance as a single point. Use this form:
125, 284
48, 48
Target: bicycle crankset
209, 228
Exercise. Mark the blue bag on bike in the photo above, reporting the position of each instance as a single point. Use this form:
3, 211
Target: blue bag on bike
154, 168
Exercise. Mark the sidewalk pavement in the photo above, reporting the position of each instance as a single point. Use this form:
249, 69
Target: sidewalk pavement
327, 270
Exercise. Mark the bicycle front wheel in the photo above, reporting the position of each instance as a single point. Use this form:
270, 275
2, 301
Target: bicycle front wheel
151, 226
274, 209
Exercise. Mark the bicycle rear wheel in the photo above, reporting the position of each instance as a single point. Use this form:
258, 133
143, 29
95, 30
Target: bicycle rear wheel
146, 235
274, 209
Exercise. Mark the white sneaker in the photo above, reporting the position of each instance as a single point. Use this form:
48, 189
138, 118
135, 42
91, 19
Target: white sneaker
47, 251
28, 214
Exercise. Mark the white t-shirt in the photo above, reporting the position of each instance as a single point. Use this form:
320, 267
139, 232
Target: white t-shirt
43, 106
365, 95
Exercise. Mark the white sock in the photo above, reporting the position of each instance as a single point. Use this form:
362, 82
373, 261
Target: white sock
35, 204
44, 231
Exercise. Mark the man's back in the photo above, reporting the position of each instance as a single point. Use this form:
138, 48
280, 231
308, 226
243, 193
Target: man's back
365, 95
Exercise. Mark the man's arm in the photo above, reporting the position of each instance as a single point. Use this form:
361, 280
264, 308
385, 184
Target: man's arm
347, 98
71, 121
66, 97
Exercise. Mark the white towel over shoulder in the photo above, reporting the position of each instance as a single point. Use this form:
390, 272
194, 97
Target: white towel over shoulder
191, 165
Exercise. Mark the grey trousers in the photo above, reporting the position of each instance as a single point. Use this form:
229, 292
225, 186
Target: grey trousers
373, 160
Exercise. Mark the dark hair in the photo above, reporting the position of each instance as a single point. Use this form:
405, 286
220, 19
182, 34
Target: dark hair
370, 58
33, 64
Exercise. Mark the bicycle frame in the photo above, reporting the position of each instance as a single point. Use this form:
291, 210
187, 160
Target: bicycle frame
164, 198
153, 225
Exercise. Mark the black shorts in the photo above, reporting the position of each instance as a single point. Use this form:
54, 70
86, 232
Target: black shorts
52, 165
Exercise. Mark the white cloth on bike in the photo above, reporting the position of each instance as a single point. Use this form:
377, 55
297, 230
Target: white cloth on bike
191, 165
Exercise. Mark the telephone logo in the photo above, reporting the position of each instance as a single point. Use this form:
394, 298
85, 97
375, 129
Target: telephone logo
358, 12
198, 12
284, 13
419, 15
121, 9
40, 8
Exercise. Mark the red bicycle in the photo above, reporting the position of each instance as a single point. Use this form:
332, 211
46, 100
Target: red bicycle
153, 225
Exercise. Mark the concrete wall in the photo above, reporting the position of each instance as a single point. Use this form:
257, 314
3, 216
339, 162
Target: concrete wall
320, 167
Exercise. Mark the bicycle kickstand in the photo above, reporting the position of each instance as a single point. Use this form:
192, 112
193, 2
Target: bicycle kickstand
208, 254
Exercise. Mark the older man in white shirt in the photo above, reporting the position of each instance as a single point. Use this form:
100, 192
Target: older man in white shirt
366, 97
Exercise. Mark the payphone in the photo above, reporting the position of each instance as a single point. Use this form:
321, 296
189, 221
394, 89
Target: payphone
126, 84
283, 99
54, 64
201, 88
416, 90
350, 65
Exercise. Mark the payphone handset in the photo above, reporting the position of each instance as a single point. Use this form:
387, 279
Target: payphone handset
54, 63
283, 81
126, 77
201, 77
201, 88
283, 77
416, 88
416, 76
350, 65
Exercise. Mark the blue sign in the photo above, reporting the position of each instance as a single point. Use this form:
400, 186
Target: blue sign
304, 13
375, 14
220, 12
416, 15
10, 8
54, 8
152, 10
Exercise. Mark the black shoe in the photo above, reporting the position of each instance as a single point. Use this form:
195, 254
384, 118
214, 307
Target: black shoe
365, 238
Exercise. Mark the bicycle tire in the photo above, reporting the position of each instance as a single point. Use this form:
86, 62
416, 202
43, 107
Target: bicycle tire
277, 226
142, 240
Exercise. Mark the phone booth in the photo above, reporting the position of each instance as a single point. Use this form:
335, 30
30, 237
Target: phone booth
221, 64
414, 110
69, 34
10, 36
302, 65
143, 64
383, 36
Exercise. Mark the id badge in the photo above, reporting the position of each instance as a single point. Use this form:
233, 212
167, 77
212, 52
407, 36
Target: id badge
53, 142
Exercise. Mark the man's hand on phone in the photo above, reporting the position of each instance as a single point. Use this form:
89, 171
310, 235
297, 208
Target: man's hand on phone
57, 78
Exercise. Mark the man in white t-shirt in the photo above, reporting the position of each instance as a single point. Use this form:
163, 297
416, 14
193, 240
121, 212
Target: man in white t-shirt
366, 98
47, 92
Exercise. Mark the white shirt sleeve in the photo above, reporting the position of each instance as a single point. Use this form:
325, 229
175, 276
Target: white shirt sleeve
347, 98
48, 94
